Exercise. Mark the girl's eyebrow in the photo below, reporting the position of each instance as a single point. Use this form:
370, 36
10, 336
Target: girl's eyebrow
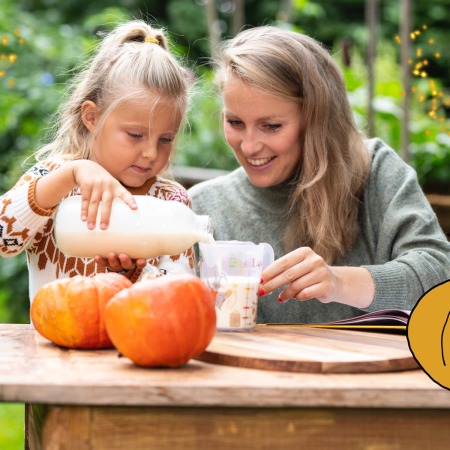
143, 126
136, 124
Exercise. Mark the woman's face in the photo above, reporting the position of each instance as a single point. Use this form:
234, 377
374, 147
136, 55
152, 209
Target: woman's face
264, 131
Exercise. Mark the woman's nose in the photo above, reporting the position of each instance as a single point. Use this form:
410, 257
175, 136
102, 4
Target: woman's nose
251, 144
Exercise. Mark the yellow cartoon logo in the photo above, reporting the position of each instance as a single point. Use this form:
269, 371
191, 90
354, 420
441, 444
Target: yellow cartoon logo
428, 333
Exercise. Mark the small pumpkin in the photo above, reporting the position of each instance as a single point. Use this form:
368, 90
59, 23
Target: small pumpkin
70, 311
163, 321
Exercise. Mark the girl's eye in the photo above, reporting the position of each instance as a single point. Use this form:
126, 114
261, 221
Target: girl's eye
164, 140
134, 135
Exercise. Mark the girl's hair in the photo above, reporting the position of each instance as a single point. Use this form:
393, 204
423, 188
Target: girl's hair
132, 61
334, 163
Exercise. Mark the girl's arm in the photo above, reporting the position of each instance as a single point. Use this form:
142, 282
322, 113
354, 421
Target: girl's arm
95, 183
21, 219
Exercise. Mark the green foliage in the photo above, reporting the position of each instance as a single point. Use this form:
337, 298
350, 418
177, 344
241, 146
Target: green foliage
14, 299
43, 62
188, 24
12, 427
430, 155
429, 139
387, 95
203, 145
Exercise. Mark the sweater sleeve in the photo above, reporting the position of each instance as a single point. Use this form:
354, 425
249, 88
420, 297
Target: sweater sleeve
408, 250
20, 217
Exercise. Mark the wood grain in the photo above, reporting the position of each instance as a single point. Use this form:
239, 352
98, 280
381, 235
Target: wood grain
84, 428
33, 370
299, 349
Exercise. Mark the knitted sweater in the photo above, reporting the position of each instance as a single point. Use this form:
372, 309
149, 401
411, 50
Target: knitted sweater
24, 226
400, 241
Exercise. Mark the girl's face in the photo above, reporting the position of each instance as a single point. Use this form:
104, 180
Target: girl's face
264, 131
136, 139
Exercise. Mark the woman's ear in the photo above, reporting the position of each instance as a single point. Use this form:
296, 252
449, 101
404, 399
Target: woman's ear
89, 114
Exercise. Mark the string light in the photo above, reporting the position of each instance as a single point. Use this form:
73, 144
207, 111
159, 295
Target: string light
427, 94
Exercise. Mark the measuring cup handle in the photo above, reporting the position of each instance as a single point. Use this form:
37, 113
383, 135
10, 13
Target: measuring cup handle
268, 255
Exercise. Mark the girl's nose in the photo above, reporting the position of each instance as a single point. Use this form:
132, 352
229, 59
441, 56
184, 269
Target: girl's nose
150, 150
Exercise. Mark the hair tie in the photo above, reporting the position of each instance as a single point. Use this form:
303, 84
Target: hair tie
152, 40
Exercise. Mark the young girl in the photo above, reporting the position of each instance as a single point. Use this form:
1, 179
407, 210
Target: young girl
115, 135
351, 228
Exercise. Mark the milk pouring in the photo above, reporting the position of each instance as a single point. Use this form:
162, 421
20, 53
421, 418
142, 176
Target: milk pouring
158, 227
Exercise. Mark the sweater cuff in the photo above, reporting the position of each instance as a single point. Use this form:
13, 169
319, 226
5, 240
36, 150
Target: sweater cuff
32, 201
390, 287
26, 215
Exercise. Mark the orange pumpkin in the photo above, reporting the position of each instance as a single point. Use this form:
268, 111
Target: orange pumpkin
70, 311
162, 322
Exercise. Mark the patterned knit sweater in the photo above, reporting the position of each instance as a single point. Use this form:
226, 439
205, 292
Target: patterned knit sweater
400, 241
24, 226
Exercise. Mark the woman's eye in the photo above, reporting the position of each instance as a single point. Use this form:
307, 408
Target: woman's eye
273, 126
235, 123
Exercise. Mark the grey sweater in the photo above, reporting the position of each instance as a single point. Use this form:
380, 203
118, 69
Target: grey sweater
400, 241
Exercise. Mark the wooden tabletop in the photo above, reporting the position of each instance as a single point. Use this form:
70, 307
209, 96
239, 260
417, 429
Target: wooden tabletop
33, 370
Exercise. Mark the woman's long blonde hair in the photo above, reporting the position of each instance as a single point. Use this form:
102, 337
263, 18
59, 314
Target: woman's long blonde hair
132, 61
334, 164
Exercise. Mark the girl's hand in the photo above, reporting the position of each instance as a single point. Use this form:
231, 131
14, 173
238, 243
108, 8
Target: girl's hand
308, 276
119, 263
98, 185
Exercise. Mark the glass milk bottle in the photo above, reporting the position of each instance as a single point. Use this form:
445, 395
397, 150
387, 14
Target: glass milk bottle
158, 227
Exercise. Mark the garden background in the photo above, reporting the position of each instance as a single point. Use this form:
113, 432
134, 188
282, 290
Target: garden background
41, 42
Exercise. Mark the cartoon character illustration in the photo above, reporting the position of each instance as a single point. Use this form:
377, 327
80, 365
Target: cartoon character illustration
428, 333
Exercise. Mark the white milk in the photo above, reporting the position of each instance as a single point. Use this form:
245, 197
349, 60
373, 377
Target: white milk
89, 243
236, 302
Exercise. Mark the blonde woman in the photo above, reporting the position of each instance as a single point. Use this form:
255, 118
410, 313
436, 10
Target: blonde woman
351, 228
114, 136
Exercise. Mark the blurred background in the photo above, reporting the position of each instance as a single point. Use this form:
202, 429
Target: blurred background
395, 55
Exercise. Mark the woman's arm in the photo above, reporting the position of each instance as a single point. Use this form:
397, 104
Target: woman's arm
400, 252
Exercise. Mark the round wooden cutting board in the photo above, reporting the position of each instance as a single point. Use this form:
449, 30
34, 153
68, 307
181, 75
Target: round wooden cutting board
307, 349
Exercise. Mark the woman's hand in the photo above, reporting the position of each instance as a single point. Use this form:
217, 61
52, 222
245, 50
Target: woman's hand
120, 263
308, 276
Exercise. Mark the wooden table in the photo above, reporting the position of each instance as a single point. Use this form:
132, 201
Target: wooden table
98, 400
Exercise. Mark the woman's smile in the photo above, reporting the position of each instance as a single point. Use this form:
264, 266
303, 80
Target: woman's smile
260, 162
